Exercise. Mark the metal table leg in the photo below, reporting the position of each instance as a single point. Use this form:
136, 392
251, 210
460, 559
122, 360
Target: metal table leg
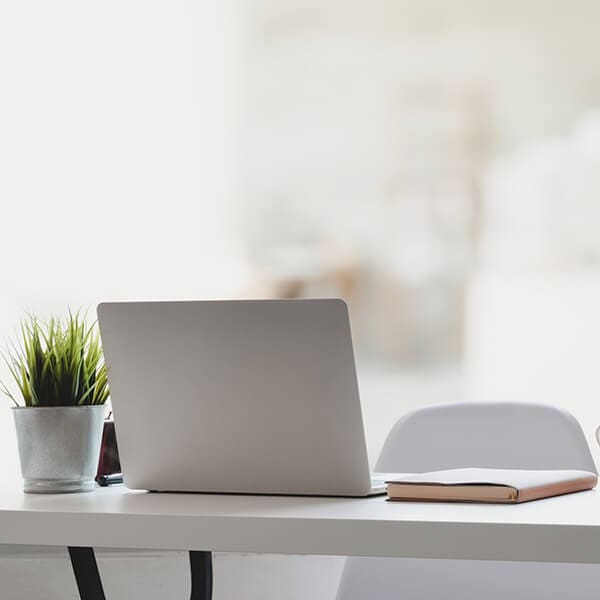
89, 584
86, 573
202, 575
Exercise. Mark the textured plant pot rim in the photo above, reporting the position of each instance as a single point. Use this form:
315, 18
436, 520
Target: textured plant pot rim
68, 407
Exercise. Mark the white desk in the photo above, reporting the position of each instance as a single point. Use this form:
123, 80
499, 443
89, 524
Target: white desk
565, 529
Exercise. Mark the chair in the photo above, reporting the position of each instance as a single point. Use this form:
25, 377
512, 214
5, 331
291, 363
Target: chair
499, 435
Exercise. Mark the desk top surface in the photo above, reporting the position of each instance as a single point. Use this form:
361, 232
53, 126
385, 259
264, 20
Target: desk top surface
565, 529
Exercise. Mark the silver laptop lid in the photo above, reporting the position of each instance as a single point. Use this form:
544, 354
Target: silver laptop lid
249, 396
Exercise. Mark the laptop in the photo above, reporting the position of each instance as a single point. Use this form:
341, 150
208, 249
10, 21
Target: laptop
237, 396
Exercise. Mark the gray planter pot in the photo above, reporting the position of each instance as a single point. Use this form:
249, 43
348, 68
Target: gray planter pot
59, 447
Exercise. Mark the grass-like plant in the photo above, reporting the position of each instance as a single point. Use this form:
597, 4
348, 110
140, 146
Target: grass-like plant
57, 363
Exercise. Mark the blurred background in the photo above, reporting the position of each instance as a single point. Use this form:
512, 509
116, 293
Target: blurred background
436, 164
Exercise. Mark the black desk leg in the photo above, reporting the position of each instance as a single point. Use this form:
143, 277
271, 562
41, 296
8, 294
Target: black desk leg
202, 575
86, 573
89, 583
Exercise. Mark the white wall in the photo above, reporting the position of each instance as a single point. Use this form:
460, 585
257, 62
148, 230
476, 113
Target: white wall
117, 155
118, 122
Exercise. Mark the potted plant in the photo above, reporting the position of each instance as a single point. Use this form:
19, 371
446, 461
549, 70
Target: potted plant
58, 368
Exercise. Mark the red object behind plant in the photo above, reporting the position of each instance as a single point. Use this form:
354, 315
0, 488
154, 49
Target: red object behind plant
109, 453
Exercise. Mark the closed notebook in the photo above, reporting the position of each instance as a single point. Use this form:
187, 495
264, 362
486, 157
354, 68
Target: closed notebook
509, 486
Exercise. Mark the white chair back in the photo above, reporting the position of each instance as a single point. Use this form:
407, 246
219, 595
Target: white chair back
500, 435
495, 435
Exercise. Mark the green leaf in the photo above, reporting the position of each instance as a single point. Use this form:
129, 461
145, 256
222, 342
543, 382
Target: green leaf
58, 362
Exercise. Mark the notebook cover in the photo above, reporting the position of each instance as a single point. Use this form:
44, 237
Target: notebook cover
489, 485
